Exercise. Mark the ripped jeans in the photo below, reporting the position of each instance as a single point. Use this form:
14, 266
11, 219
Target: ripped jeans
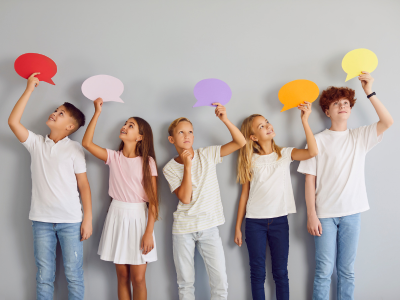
45, 237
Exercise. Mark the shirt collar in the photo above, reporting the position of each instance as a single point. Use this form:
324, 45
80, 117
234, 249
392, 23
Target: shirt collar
47, 140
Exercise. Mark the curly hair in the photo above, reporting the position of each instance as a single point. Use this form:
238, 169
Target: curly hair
333, 94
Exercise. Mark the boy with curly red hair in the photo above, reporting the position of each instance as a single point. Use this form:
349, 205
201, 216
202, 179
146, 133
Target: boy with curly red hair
335, 187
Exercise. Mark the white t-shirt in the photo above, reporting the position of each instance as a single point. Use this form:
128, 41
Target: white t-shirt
205, 208
55, 196
271, 193
339, 167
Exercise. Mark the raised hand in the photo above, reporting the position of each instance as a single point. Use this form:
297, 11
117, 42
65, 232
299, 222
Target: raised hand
98, 103
305, 110
220, 111
32, 82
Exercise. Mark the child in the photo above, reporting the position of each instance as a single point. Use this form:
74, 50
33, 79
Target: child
58, 170
192, 177
126, 239
335, 187
267, 198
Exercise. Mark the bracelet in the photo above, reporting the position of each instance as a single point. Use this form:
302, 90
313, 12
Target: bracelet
370, 95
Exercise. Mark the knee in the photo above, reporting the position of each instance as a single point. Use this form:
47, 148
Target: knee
138, 280
123, 275
257, 274
324, 269
45, 276
280, 275
346, 272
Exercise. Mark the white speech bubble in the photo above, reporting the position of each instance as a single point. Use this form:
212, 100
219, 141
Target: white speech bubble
106, 87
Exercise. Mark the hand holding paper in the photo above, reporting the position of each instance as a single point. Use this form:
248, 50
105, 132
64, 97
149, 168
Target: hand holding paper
107, 87
209, 91
296, 92
358, 60
29, 63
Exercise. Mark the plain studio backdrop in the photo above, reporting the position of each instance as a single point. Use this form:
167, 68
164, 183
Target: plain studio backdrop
160, 50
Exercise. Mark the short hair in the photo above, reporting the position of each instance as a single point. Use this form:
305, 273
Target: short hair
333, 94
75, 114
175, 123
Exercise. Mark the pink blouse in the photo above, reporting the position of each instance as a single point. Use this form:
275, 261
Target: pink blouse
126, 177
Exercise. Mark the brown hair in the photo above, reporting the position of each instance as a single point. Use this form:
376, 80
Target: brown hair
246, 153
145, 149
333, 94
175, 123
75, 114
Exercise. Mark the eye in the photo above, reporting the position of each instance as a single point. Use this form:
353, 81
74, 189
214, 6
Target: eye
261, 126
130, 126
191, 132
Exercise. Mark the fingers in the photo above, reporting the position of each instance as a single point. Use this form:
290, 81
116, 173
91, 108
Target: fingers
34, 74
320, 229
147, 248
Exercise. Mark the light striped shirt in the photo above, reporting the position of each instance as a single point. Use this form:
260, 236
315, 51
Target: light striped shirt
205, 208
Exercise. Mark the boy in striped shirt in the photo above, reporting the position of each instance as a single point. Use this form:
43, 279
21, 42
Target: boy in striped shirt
192, 177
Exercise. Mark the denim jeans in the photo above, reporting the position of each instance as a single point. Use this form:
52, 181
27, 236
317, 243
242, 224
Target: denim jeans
276, 232
45, 237
339, 237
209, 245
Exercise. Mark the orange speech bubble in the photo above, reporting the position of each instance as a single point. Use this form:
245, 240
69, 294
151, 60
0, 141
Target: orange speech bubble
296, 92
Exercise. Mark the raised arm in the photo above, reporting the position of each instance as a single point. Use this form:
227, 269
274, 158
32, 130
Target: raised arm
385, 119
241, 212
184, 192
314, 226
87, 141
14, 120
238, 140
312, 149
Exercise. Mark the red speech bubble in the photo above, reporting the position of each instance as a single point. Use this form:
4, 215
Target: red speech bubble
29, 63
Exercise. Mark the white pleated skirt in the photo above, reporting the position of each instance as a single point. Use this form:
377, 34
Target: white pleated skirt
122, 233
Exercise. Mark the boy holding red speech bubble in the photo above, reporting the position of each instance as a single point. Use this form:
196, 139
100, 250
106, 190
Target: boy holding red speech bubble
192, 177
58, 171
335, 187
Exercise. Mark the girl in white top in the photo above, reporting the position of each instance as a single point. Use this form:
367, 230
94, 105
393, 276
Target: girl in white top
267, 198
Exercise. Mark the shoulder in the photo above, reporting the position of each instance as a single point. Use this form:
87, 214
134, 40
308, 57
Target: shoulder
170, 165
287, 151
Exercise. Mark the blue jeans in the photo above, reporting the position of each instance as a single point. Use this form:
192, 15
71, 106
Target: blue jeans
276, 232
45, 241
209, 244
339, 236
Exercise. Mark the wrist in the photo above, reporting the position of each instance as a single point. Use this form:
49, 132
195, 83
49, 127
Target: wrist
368, 91
311, 214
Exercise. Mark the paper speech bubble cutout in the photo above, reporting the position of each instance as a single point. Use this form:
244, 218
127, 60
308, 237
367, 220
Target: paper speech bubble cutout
296, 92
29, 63
107, 87
208, 91
359, 60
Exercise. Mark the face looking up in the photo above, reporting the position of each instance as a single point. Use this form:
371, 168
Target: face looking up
183, 136
130, 131
339, 110
262, 130
61, 120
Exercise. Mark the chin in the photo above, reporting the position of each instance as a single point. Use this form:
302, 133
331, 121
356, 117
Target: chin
186, 146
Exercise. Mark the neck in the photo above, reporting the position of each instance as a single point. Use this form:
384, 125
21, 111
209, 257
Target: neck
56, 137
338, 125
266, 147
129, 150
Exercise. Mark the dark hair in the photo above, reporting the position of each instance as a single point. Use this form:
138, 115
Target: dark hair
333, 94
145, 149
75, 114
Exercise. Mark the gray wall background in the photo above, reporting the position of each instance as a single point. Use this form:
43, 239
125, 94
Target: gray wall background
160, 50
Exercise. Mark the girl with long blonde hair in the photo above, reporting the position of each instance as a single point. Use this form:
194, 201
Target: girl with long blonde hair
267, 198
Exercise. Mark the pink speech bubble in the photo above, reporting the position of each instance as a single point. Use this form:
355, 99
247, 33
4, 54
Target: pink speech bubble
106, 87
27, 64
210, 91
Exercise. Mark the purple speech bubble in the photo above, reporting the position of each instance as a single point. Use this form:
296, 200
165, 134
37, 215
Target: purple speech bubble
106, 87
208, 91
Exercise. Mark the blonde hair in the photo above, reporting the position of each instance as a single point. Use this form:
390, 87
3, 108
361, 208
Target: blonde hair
251, 147
175, 123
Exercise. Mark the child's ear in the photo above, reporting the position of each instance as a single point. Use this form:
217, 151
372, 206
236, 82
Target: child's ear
253, 138
171, 140
70, 127
139, 138
327, 113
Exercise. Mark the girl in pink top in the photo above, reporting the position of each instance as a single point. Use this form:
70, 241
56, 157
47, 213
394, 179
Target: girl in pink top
128, 238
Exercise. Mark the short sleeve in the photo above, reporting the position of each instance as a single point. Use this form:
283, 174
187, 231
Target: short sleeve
368, 136
212, 153
287, 153
79, 161
153, 167
111, 156
308, 166
31, 141
173, 179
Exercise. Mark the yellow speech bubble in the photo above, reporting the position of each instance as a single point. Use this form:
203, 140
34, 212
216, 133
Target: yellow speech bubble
296, 92
359, 60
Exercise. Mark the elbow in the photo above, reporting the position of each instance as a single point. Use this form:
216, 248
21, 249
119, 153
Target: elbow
390, 122
185, 201
313, 153
85, 144
242, 143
